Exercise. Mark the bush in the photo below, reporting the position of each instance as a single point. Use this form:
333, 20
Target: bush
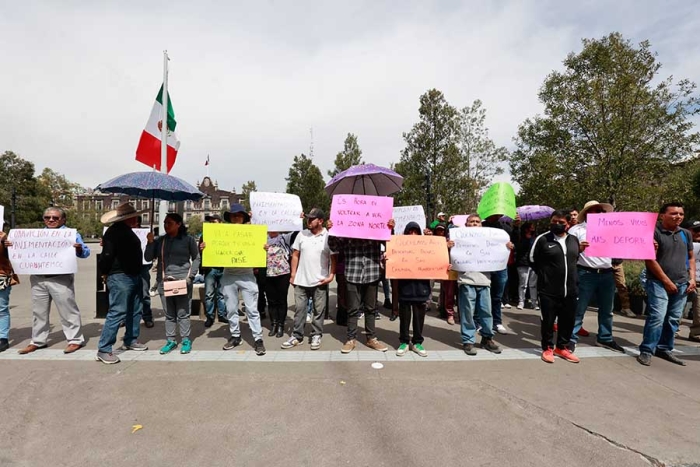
633, 269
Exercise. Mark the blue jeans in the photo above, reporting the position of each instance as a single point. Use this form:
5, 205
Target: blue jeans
146, 280
663, 316
499, 279
246, 284
125, 304
213, 296
474, 302
5, 313
602, 285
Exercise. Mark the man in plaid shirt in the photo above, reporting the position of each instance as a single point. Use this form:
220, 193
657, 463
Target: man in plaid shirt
362, 273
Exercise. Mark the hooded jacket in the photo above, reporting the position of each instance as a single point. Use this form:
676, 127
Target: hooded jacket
414, 290
556, 272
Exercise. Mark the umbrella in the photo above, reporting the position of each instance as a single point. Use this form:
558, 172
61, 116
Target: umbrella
534, 212
365, 179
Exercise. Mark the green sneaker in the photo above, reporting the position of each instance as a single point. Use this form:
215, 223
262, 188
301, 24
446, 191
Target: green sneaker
168, 347
186, 346
418, 348
401, 351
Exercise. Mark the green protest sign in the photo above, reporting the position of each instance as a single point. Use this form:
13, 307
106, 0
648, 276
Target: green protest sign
498, 199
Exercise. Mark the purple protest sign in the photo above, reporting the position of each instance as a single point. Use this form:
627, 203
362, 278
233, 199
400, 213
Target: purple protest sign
624, 235
361, 216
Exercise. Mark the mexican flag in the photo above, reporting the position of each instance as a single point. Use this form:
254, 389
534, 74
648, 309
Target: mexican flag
148, 151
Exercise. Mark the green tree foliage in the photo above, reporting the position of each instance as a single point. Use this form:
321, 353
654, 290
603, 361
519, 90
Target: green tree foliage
245, 193
306, 181
18, 173
349, 156
58, 188
194, 226
612, 130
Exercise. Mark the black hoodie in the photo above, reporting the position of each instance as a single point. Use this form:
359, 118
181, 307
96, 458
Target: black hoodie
556, 273
414, 290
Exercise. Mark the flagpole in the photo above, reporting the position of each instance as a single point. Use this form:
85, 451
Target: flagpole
163, 208
207, 165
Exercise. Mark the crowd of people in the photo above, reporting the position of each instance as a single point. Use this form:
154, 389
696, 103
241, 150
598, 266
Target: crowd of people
550, 266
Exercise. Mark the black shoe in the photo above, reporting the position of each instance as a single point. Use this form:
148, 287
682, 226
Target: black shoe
572, 347
669, 357
469, 349
280, 330
222, 319
387, 304
4, 345
377, 316
393, 317
263, 315
273, 330
209, 322
488, 344
149, 324
232, 342
644, 358
259, 347
612, 345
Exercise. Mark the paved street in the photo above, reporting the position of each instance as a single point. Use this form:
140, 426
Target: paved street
321, 408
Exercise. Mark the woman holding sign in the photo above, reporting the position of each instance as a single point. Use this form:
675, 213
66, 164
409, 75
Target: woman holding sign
6, 274
178, 260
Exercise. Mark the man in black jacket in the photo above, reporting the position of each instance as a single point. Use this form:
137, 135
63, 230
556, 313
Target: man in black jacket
553, 257
120, 265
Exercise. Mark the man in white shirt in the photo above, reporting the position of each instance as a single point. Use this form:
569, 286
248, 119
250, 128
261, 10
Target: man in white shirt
595, 278
313, 268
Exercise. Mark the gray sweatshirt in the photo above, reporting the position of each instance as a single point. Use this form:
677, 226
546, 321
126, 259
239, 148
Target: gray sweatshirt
178, 252
475, 278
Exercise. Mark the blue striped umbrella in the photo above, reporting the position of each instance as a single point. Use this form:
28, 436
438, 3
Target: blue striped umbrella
154, 185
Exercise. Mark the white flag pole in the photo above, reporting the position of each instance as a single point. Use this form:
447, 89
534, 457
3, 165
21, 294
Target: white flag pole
163, 208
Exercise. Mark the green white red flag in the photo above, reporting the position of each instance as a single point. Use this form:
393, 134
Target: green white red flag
148, 151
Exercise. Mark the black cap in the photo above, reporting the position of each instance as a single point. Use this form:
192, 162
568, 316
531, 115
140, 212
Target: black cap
316, 213
693, 225
214, 217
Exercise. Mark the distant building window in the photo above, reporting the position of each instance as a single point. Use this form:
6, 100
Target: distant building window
207, 203
115, 203
144, 218
224, 203
145, 204
86, 205
98, 205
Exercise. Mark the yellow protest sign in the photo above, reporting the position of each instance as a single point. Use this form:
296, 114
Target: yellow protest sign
498, 199
234, 245
417, 257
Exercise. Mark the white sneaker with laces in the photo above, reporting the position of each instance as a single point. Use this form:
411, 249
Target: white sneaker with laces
315, 342
520, 306
506, 305
501, 329
308, 318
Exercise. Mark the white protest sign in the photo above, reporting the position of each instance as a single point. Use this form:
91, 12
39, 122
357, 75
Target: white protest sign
404, 214
696, 249
480, 249
43, 251
141, 233
2, 216
278, 211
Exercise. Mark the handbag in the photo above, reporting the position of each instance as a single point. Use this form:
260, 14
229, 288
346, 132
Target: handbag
172, 288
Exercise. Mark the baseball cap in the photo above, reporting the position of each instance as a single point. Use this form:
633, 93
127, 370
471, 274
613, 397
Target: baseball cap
316, 213
694, 224
441, 214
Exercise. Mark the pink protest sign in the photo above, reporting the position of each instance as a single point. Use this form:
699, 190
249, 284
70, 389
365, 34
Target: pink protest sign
460, 220
361, 216
624, 235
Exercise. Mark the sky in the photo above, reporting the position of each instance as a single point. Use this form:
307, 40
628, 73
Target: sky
249, 80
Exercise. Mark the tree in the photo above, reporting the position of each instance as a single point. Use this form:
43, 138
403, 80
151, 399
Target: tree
18, 173
305, 180
432, 160
481, 158
612, 129
349, 156
194, 226
58, 188
245, 193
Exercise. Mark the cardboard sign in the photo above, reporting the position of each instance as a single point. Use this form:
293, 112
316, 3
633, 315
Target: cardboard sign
141, 233
278, 211
361, 216
498, 199
417, 257
624, 235
234, 245
402, 215
43, 251
480, 249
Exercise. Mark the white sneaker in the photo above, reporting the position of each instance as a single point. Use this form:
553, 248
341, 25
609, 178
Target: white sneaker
520, 306
506, 305
537, 307
501, 329
308, 318
627, 312
292, 342
315, 342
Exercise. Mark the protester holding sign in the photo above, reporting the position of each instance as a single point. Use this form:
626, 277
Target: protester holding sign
475, 303
120, 264
6, 280
213, 294
58, 288
178, 260
553, 257
448, 287
670, 277
279, 252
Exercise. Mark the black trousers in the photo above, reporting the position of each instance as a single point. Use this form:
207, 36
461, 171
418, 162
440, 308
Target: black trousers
361, 298
562, 310
277, 288
406, 309
261, 280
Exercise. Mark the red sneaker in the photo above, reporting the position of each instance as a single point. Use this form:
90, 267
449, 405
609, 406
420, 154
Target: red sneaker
566, 355
548, 356
583, 333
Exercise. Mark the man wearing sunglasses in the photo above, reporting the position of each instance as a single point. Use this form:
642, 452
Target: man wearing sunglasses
58, 288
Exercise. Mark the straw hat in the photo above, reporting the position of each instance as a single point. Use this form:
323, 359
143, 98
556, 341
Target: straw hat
124, 211
590, 205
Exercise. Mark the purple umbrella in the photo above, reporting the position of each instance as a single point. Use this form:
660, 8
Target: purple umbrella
365, 179
533, 212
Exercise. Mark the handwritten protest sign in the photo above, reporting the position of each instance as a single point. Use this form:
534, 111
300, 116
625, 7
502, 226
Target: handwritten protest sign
402, 215
2, 216
624, 235
141, 233
234, 245
361, 216
278, 211
43, 251
498, 199
479, 249
696, 249
417, 257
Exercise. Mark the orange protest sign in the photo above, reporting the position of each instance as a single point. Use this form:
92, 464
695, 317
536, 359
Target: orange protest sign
417, 257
